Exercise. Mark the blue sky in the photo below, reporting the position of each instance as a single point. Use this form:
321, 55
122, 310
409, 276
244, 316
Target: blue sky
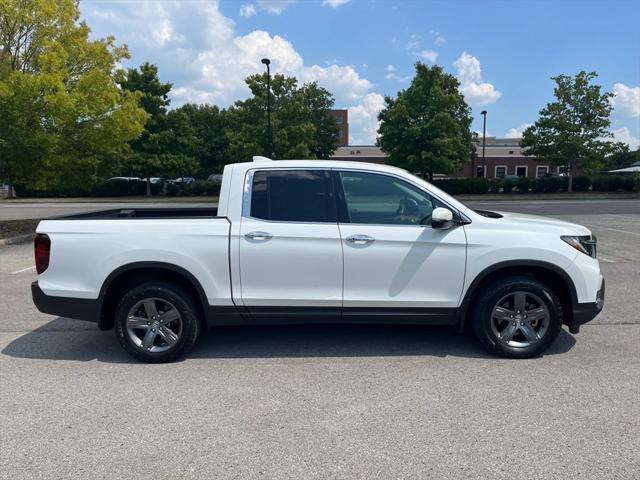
503, 52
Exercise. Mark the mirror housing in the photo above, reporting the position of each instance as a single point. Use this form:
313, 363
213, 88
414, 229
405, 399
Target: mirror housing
441, 218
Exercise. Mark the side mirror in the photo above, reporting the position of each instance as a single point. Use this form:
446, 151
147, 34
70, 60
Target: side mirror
441, 218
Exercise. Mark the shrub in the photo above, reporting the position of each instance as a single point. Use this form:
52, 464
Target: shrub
600, 184
119, 188
507, 186
457, 186
202, 187
628, 183
615, 183
523, 184
495, 185
581, 184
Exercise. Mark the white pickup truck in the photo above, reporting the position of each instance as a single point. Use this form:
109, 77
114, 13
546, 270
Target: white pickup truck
318, 241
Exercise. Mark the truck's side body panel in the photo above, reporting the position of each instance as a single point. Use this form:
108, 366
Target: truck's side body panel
85, 253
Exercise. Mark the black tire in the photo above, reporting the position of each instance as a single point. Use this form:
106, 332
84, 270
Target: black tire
162, 293
509, 287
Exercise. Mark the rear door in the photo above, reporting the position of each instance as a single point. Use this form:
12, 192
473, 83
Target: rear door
290, 246
394, 262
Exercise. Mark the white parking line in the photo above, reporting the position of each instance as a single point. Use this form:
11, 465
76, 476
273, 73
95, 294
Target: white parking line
606, 260
23, 270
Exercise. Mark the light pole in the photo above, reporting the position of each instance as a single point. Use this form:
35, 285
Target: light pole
267, 62
484, 136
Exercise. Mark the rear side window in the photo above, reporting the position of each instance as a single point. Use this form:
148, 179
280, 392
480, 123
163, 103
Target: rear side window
292, 196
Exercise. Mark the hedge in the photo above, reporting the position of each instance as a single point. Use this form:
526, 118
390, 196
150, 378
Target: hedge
456, 186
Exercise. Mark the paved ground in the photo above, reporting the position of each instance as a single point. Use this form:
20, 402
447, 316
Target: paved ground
12, 210
324, 402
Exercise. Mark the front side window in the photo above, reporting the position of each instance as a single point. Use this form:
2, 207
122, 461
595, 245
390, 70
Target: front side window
385, 200
292, 196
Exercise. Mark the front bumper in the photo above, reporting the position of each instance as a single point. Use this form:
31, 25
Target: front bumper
585, 312
69, 307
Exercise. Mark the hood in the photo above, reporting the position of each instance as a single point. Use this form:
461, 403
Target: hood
535, 222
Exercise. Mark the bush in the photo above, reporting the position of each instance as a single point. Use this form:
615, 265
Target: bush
495, 184
581, 184
628, 183
119, 188
507, 186
202, 187
600, 184
615, 183
457, 186
523, 184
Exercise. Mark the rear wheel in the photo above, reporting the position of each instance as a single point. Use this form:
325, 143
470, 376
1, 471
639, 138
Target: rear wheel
156, 322
517, 317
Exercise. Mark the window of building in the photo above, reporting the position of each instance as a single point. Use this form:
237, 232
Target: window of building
541, 170
501, 171
338, 119
385, 200
481, 170
292, 196
521, 171
511, 152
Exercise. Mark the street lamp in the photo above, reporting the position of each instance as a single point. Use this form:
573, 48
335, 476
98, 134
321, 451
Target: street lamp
267, 62
484, 136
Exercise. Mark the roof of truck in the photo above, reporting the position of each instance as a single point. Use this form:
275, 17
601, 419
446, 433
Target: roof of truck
263, 162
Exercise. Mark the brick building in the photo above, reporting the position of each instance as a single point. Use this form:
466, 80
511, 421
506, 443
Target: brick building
504, 156
342, 119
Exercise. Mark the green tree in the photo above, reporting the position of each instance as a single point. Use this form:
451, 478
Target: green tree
426, 128
209, 124
573, 130
623, 159
167, 142
63, 118
302, 127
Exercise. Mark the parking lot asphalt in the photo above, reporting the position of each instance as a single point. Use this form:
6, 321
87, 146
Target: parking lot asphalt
324, 401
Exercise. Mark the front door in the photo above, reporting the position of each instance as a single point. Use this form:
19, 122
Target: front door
394, 262
290, 246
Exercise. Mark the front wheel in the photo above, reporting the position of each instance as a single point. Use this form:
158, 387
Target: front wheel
156, 322
517, 317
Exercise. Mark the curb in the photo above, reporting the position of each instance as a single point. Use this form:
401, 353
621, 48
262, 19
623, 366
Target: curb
17, 239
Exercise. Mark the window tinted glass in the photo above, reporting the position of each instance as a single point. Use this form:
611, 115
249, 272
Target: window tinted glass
385, 200
292, 195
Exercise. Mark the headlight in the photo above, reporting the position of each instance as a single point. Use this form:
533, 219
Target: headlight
583, 243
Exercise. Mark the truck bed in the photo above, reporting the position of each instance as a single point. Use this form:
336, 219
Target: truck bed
141, 213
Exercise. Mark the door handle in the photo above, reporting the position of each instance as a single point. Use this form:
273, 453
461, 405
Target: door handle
360, 239
258, 235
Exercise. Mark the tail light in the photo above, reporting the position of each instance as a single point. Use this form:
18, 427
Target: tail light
42, 250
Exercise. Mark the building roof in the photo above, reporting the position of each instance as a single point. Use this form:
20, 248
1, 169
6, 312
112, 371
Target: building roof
500, 147
355, 151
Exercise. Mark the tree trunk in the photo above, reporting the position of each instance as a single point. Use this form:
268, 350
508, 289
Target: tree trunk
570, 173
431, 176
148, 187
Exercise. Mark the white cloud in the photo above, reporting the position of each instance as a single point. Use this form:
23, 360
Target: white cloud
334, 3
275, 7
391, 68
363, 119
207, 61
476, 91
624, 135
517, 131
428, 55
248, 10
392, 75
440, 40
413, 43
627, 99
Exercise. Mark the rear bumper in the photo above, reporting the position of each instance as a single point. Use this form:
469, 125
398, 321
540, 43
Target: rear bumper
78, 308
585, 312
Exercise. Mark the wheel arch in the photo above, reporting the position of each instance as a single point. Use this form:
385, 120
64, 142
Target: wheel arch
548, 273
127, 276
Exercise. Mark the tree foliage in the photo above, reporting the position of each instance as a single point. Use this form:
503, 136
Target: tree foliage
166, 144
573, 130
426, 128
623, 159
302, 127
209, 124
62, 116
